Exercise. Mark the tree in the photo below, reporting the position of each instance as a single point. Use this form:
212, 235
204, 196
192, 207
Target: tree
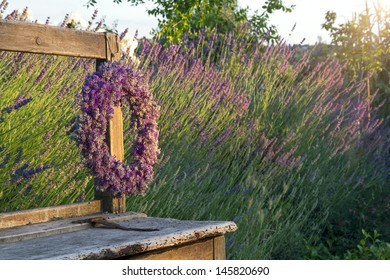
179, 17
363, 43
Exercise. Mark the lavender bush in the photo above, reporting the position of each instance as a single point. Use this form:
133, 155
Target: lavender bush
248, 132
39, 161
285, 150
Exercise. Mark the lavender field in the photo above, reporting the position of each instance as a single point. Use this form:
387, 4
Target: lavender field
249, 132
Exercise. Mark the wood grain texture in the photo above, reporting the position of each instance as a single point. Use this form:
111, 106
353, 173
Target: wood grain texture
114, 136
44, 39
102, 243
200, 250
219, 248
40, 215
61, 226
110, 203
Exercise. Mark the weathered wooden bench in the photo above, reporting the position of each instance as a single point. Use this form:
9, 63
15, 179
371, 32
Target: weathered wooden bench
71, 238
71, 231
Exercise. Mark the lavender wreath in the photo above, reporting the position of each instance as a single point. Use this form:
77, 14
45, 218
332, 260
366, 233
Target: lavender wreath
113, 84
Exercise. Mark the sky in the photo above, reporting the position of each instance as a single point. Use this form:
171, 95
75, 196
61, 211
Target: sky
308, 15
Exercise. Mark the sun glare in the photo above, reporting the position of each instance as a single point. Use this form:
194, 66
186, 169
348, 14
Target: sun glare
385, 4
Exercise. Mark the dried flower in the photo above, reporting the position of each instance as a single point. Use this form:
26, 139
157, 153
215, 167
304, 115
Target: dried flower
112, 85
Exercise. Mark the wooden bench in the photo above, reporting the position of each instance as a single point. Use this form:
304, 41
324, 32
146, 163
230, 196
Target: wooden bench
68, 238
56, 232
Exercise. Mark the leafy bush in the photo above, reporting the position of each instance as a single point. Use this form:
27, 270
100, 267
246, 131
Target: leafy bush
370, 247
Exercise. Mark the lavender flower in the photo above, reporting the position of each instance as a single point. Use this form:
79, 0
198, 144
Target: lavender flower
66, 18
18, 103
24, 172
5, 161
19, 155
27, 190
40, 77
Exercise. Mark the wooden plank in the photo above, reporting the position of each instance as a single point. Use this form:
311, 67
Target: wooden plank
21, 233
40, 215
200, 250
219, 248
44, 39
115, 140
116, 134
103, 243
110, 203
113, 52
116, 144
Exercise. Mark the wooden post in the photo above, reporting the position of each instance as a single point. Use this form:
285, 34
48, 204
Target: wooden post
115, 132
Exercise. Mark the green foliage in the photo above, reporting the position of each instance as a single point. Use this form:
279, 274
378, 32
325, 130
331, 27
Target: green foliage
188, 17
178, 18
363, 42
369, 247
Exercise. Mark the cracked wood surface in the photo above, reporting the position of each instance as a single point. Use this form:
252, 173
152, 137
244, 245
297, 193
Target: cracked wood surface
103, 243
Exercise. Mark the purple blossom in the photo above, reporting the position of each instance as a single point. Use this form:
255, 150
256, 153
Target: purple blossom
66, 18
123, 34
19, 155
24, 172
12, 16
235, 189
99, 25
223, 137
30, 67
40, 77
5, 161
27, 190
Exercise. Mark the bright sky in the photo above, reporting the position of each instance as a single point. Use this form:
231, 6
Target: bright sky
307, 14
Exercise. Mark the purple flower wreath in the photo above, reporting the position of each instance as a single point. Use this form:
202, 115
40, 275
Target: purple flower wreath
112, 85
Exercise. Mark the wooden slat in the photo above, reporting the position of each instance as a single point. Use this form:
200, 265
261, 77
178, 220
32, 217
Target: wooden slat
110, 203
112, 47
115, 143
114, 138
200, 250
219, 248
103, 243
116, 134
44, 39
40, 215
61, 226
